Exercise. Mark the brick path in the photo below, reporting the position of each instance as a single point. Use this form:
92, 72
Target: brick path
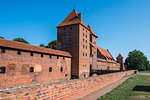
97, 94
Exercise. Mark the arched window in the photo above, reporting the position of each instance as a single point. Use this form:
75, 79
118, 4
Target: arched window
2, 70
50, 69
31, 69
61, 69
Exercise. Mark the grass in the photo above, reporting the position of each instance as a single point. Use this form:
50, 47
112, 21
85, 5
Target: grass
136, 87
144, 71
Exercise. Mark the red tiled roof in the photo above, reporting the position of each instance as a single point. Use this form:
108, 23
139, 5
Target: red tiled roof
92, 32
71, 19
28, 47
119, 56
107, 55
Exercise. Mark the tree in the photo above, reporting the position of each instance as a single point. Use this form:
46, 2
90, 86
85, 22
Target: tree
20, 40
137, 60
1, 37
42, 45
52, 44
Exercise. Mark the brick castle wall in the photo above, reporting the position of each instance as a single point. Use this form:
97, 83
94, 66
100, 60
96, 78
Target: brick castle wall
18, 68
68, 90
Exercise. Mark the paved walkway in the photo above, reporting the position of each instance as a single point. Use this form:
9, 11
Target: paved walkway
97, 94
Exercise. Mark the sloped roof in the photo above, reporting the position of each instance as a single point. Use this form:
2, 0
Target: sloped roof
107, 55
119, 56
72, 18
28, 47
92, 32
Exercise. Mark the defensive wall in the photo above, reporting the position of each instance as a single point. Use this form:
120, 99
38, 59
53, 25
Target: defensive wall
65, 90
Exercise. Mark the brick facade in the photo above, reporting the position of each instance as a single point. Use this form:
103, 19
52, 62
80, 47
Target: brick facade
68, 90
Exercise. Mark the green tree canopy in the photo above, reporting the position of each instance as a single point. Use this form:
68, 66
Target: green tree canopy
42, 45
1, 37
52, 44
137, 60
20, 40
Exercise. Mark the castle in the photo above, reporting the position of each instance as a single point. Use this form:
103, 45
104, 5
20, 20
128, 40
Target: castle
78, 55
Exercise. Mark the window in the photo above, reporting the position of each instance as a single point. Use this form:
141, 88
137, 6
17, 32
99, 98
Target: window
86, 35
64, 39
61, 69
2, 70
57, 57
83, 29
41, 55
63, 58
83, 40
65, 34
83, 34
69, 33
31, 69
70, 28
69, 39
86, 30
50, 56
2, 50
64, 46
83, 46
86, 54
66, 75
86, 41
19, 52
31, 54
86, 47
84, 75
50, 69
83, 53
64, 29
69, 45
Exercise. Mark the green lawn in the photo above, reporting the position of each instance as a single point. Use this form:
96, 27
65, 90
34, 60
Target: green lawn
144, 71
136, 87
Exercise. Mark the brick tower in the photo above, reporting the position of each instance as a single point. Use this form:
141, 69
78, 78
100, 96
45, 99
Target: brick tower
74, 36
120, 61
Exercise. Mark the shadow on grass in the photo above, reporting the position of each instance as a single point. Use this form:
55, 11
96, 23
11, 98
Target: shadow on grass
141, 88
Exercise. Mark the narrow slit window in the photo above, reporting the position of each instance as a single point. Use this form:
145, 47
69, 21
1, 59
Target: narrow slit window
19, 52
31, 69
61, 69
2, 50
50, 69
41, 55
31, 53
2, 70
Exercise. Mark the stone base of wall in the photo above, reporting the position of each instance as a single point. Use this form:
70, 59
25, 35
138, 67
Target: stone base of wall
67, 90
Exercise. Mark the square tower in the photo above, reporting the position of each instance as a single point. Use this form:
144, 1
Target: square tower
74, 36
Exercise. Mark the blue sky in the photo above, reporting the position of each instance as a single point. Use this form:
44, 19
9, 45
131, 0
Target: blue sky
121, 25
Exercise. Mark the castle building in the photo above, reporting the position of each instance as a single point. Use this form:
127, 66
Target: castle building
80, 40
77, 56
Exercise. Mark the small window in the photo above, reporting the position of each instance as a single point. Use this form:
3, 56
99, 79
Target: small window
19, 52
50, 69
69, 45
70, 33
2, 70
83, 40
83, 46
2, 50
83, 53
31, 54
64, 39
83, 29
86, 35
50, 56
63, 58
86, 54
84, 75
70, 28
57, 57
86, 47
83, 34
65, 34
86, 30
61, 69
41, 55
64, 29
86, 41
31, 69
70, 39
66, 75
64, 46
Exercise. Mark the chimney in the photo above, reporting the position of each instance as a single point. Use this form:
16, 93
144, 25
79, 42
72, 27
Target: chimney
80, 16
